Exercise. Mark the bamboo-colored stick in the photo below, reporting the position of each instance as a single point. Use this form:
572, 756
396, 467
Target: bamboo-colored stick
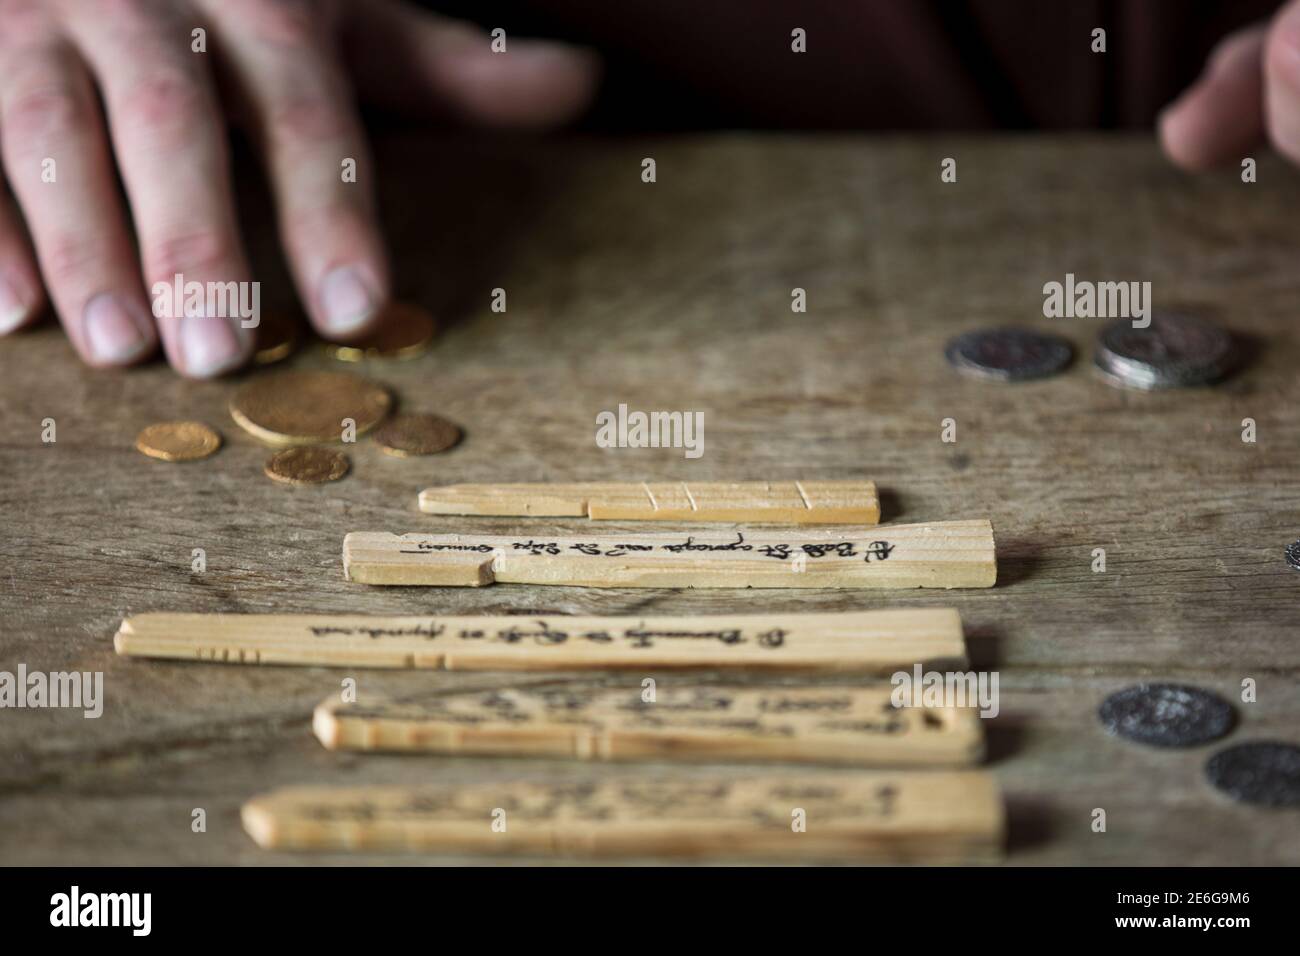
891, 817
946, 554
861, 641
783, 502
840, 725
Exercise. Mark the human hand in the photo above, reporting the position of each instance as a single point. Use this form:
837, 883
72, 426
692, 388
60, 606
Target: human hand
290, 70
1250, 89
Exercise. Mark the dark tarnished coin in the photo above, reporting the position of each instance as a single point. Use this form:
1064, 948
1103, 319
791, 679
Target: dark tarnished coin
1173, 351
302, 408
1166, 715
1293, 555
1008, 355
407, 435
1262, 772
403, 331
307, 465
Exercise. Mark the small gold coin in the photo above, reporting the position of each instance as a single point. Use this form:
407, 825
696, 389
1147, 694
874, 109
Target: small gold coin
277, 337
409, 435
307, 465
403, 331
178, 441
302, 408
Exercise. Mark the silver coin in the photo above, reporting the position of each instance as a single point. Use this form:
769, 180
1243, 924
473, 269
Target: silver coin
1166, 715
1293, 555
1262, 772
1008, 355
1174, 351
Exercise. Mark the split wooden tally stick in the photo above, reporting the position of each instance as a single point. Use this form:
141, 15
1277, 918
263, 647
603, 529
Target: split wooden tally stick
783, 502
946, 554
845, 725
871, 816
859, 642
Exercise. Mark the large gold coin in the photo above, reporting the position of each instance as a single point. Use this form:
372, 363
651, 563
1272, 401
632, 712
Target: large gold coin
403, 331
307, 465
178, 441
277, 337
302, 408
408, 435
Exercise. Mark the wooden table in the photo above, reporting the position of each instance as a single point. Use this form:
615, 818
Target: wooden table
676, 295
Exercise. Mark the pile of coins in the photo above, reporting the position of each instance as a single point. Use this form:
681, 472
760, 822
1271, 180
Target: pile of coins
403, 331
1175, 715
296, 410
1173, 351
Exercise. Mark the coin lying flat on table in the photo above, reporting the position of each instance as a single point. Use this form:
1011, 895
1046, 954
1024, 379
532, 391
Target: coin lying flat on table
408, 435
1174, 351
277, 337
1166, 715
302, 408
1008, 355
1293, 555
178, 441
403, 331
307, 465
1263, 772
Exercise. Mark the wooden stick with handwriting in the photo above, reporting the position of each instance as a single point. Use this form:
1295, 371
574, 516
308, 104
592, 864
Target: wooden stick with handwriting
840, 725
945, 554
871, 816
859, 641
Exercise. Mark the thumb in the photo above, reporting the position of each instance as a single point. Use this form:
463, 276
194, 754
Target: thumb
413, 62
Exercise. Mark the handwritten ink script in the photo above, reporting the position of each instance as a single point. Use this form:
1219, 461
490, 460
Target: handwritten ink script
543, 634
583, 803
781, 551
734, 712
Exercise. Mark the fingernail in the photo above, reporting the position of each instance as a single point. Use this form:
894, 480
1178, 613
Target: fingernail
111, 334
346, 300
209, 345
12, 308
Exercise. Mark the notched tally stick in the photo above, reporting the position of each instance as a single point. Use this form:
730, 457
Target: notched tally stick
778, 502
854, 642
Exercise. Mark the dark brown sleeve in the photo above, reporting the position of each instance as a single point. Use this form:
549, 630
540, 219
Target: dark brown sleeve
888, 64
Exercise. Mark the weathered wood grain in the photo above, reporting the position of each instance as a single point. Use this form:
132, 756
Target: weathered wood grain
677, 295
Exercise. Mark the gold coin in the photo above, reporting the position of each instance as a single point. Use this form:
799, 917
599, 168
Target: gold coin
277, 337
403, 331
307, 465
302, 408
408, 435
178, 441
